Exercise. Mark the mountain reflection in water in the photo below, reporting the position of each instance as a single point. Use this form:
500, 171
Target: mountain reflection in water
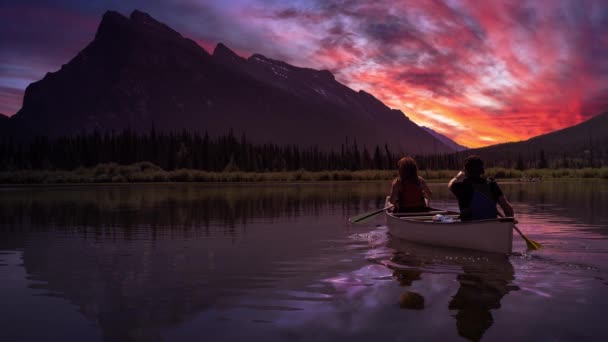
280, 262
180, 206
139, 259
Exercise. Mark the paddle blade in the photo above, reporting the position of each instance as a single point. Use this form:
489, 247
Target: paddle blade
532, 245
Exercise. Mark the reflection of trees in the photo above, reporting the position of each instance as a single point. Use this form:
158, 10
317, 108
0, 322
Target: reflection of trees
484, 281
136, 286
179, 206
577, 199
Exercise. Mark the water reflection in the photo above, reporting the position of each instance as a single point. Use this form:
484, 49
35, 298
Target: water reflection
484, 280
581, 200
178, 206
139, 260
481, 290
142, 262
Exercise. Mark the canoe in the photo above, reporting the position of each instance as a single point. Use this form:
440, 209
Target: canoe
494, 236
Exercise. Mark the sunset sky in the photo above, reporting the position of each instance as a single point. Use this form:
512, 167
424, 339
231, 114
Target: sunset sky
480, 72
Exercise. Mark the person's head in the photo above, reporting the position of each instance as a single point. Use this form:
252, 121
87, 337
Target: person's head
407, 168
473, 166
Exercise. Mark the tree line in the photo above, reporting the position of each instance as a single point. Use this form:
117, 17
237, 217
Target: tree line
577, 157
186, 150
192, 150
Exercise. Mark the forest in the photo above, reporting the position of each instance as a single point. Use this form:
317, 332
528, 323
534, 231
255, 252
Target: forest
228, 153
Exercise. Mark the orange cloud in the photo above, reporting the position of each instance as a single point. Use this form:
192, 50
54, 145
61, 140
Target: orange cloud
478, 72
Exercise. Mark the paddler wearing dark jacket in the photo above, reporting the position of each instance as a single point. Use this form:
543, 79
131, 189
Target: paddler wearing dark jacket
477, 195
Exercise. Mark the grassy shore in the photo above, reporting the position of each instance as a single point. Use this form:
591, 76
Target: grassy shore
147, 172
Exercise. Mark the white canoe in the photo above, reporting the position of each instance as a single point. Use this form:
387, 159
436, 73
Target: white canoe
495, 236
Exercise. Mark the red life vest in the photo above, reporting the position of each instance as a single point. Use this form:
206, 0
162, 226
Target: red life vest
411, 195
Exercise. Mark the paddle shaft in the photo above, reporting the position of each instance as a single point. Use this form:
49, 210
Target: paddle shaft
530, 243
361, 218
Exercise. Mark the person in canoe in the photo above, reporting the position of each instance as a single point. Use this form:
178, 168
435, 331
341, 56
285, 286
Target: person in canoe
477, 195
409, 192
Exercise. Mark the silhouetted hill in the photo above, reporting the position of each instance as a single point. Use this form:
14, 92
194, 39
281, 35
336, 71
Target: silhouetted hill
138, 73
585, 144
447, 141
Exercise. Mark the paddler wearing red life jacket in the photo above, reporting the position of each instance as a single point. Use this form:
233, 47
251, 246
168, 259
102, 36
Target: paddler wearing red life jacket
409, 192
477, 195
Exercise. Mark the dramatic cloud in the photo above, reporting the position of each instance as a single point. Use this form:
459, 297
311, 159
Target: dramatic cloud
480, 72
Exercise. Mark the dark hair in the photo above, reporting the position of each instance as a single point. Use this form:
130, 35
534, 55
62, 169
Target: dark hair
473, 165
408, 170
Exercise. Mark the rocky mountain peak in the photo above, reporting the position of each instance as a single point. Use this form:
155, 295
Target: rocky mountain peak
223, 53
140, 73
112, 24
145, 21
116, 27
143, 18
326, 74
258, 57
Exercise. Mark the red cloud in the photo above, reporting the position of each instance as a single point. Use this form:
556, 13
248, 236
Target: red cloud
479, 72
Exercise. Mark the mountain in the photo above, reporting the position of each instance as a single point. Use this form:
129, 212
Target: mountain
138, 73
447, 141
585, 144
3, 117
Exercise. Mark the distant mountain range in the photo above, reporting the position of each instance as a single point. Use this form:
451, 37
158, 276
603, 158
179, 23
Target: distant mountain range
585, 144
447, 141
139, 73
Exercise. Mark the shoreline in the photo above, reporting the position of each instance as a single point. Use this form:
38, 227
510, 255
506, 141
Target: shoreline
150, 173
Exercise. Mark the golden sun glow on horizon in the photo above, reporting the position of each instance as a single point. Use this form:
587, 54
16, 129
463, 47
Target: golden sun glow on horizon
466, 130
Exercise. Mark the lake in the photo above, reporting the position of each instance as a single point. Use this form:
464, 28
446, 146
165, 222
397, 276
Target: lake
280, 262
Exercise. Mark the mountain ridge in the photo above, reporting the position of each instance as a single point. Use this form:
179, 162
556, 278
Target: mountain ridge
139, 73
444, 139
584, 144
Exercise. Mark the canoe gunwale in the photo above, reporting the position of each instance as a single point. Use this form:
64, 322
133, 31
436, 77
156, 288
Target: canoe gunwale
417, 220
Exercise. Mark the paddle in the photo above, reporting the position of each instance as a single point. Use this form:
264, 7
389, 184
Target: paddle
362, 217
533, 245
530, 243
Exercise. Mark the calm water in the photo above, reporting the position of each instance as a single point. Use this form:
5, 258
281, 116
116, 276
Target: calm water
280, 262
